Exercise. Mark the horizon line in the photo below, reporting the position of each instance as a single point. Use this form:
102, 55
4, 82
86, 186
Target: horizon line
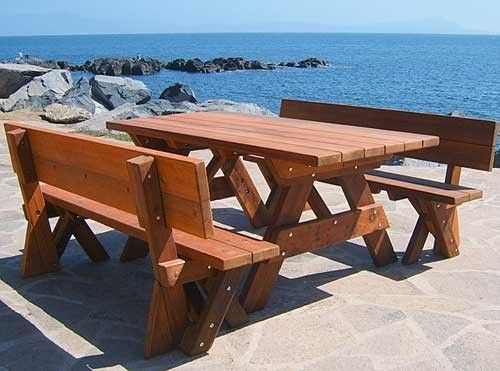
259, 32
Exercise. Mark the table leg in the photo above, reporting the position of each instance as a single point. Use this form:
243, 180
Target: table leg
358, 194
263, 275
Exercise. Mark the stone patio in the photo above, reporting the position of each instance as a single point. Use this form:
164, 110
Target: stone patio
331, 310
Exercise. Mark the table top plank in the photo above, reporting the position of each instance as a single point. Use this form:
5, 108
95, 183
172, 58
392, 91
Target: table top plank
308, 142
409, 139
350, 150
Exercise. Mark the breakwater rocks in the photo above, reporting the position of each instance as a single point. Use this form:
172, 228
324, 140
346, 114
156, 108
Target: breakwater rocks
130, 66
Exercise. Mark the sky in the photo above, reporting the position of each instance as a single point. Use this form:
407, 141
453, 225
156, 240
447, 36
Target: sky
61, 17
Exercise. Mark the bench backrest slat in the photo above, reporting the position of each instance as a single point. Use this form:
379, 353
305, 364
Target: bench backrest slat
463, 141
97, 169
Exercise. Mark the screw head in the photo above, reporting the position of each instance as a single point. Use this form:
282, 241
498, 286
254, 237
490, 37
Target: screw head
290, 234
355, 167
313, 175
209, 267
149, 176
158, 217
335, 222
438, 206
212, 325
290, 169
247, 190
228, 288
37, 212
283, 253
202, 344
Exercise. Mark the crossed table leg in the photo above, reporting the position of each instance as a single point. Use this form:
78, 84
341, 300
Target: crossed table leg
292, 189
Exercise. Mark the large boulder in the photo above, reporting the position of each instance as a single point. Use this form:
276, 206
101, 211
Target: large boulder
61, 114
80, 96
13, 76
114, 91
40, 92
122, 66
179, 93
231, 106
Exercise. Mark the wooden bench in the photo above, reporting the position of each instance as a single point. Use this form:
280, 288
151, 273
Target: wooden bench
464, 142
161, 201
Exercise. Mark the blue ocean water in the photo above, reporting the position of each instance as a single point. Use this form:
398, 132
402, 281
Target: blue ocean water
433, 73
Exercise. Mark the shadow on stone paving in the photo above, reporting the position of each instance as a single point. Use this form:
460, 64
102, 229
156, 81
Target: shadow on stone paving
107, 304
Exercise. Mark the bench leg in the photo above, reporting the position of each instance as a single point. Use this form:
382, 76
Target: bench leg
167, 319
447, 232
39, 254
134, 249
199, 336
417, 241
87, 240
358, 193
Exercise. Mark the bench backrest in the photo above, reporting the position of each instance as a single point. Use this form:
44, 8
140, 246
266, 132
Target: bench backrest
97, 169
463, 142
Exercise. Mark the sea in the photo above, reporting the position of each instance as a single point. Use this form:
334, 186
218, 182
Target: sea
428, 73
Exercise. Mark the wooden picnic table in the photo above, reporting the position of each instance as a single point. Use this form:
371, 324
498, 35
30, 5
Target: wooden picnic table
296, 153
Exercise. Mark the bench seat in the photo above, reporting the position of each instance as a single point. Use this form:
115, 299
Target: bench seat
225, 251
408, 186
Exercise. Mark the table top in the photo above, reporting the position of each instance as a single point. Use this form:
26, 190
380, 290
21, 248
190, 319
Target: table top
308, 142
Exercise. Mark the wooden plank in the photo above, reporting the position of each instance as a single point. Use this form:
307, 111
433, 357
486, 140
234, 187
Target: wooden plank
40, 253
481, 132
220, 189
87, 239
146, 188
260, 250
167, 319
466, 142
417, 242
309, 156
453, 174
245, 191
394, 141
422, 188
214, 253
134, 249
96, 169
301, 137
317, 234
319, 207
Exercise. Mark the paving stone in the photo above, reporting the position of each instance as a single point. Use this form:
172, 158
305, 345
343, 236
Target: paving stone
475, 351
438, 327
369, 317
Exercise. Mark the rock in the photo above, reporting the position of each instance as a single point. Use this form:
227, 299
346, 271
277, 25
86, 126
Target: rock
61, 114
14, 76
40, 92
80, 96
176, 65
312, 63
194, 65
112, 92
231, 106
122, 66
179, 93
157, 107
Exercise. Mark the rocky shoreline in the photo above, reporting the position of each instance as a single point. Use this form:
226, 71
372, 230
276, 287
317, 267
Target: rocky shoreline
137, 66
91, 102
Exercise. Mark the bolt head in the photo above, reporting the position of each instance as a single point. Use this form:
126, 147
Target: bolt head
149, 176
290, 234
228, 288
209, 267
283, 253
290, 169
355, 167
202, 344
212, 325
313, 175
158, 218
335, 222
438, 206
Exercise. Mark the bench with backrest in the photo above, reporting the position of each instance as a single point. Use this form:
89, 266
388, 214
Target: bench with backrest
464, 142
161, 201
